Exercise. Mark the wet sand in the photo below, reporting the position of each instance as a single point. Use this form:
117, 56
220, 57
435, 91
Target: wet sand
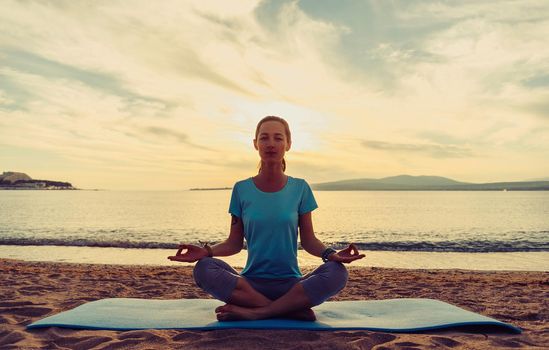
503, 261
33, 290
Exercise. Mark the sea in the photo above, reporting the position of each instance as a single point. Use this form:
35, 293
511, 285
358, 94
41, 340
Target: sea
433, 227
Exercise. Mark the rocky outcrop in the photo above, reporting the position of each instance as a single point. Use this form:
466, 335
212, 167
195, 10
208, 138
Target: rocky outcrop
10, 180
12, 177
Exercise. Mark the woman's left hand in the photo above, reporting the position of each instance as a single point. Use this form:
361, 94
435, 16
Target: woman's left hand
346, 255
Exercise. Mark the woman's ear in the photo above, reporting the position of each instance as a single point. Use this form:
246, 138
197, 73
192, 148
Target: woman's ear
255, 144
288, 146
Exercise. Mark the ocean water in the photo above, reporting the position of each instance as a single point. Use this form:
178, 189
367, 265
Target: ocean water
440, 221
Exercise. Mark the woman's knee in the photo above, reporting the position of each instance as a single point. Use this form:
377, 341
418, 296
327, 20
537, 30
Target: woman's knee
325, 282
215, 277
337, 274
201, 269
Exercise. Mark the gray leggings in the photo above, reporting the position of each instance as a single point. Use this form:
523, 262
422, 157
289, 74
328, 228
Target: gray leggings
219, 279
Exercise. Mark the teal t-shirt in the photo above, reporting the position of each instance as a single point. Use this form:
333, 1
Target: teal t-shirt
270, 225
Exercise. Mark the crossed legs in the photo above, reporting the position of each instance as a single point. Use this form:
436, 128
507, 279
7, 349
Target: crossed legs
244, 302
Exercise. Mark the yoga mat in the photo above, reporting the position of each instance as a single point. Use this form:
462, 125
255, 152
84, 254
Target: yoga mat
393, 315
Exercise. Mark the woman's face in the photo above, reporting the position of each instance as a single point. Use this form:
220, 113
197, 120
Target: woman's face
271, 141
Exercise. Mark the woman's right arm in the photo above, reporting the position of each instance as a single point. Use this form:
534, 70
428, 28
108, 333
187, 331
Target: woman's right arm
232, 245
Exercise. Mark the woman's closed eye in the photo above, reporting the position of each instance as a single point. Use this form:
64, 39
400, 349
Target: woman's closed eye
278, 138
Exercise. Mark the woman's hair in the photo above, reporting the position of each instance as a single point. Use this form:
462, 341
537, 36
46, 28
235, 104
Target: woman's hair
286, 130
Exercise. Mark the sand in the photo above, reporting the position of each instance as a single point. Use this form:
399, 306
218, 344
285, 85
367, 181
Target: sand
33, 290
501, 261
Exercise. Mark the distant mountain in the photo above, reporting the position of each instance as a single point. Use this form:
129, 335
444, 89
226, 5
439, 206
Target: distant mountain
10, 180
426, 183
539, 179
421, 180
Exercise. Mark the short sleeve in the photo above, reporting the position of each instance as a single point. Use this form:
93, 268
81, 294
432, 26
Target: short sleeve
235, 207
308, 202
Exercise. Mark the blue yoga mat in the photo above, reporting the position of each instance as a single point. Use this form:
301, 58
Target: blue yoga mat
394, 315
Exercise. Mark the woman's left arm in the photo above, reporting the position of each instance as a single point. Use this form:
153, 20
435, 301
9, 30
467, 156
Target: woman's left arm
315, 247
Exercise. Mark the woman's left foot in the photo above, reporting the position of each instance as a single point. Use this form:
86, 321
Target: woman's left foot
301, 315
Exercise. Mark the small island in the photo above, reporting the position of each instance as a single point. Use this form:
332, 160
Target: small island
10, 180
210, 189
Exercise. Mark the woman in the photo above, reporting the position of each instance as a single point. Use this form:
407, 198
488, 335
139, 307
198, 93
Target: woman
267, 210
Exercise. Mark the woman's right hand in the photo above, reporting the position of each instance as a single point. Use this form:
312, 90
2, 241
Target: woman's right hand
193, 253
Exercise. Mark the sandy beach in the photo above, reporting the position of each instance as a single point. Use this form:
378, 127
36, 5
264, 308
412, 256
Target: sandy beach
33, 290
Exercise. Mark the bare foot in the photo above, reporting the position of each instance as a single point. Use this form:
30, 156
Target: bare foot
229, 312
301, 315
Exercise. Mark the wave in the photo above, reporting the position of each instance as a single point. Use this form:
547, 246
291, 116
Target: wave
471, 246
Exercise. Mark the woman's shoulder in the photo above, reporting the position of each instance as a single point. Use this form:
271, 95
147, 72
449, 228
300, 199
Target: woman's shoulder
243, 182
297, 180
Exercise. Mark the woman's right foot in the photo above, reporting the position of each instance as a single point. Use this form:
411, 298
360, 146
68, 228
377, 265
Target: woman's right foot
301, 315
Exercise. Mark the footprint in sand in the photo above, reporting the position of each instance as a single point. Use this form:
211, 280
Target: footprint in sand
513, 343
34, 290
369, 340
364, 339
187, 336
29, 311
10, 338
446, 342
18, 303
407, 344
306, 335
81, 342
125, 344
381, 338
53, 332
140, 335
4, 320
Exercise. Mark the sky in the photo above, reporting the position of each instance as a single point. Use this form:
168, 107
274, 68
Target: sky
143, 95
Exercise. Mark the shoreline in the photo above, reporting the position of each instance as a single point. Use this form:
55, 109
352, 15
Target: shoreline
508, 261
34, 290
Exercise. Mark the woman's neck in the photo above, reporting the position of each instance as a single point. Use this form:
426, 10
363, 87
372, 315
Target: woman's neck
271, 172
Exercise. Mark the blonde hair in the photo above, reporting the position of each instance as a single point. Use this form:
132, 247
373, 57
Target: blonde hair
272, 118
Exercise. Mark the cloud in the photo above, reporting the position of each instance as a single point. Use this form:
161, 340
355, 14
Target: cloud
440, 50
434, 150
178, 136
179, 86
184, 138
539, 80
5, 100
443, 138
539, 108
33, 64
496, 10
